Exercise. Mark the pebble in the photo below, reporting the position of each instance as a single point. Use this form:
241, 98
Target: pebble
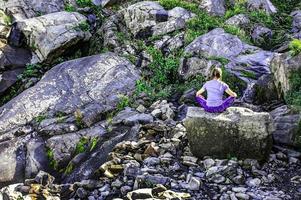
254, 182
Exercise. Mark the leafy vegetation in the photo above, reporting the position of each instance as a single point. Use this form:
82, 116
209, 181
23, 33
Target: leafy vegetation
84, 3
52, 162
124, 101
79, 119
82, 26
295, 47
293, 96
69, 8
82, 145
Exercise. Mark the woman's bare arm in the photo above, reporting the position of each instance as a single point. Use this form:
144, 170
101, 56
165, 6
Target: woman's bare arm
200, 92
231, 93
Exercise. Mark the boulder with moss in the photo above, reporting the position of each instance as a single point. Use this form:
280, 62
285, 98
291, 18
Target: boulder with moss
237, 132
246, 62
75, 84
284, 67
265, 5
51, 35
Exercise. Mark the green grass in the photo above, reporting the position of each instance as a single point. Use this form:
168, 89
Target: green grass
248, 74
295, 47
124, 101
40, 118
82, 26
31, 70
52, 162
82, 145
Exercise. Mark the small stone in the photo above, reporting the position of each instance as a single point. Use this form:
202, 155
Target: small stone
190, 160
125, 189
194, 184
117, 183
208, 163
91, 198
296, 179
156, 113
151, 161
239, 180
293, 160
239, 189
254, 182
141, 108
281, 156
242, 196
81, 193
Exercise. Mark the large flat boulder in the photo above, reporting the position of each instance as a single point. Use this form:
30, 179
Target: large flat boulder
49, 36
98, 79
237, 132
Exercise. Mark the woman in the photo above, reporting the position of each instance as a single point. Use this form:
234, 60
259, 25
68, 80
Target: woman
215, 90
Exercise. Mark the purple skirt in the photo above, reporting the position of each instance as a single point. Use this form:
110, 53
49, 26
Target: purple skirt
216, 109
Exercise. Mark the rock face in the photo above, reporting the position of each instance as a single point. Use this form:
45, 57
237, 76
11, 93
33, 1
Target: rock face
245, 61
104, 3
296, 24
94, 80
12, 64
287, 126
240, 20
237, 132
23, 9
261, 34
50, 35
214, 7
282, 67
148, 18
265, 5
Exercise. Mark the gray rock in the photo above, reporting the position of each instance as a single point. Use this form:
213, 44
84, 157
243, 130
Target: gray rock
63, 146
148, 18
282, 67
214, 7
169, 44
13, 159
240, 20
95, 79
252, 130
65, 32
286, 126
190, 67
105, 3
151, 161
296, 27
86, 169
130, 117
36, 157
254, 182
12, 64
260, 35
265, 5
22, 9
245, 61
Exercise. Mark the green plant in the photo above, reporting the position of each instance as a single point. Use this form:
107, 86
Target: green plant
81, 146
79, 119
31, 70
69, 168
82, 26
40, 118
84, 3
293, 96
93, 143
52, 162
124, 101
295, 47
238, 32
7, 20
248, 74
69, 8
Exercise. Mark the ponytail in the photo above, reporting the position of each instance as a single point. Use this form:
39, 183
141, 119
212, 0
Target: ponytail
216, 73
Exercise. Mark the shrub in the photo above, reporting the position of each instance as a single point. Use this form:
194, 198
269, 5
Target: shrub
84, 3
295, 47
124, 101
82, 26
81, 146
69, 8
293, 96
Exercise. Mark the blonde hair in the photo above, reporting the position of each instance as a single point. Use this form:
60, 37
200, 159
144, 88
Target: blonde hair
216, 73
